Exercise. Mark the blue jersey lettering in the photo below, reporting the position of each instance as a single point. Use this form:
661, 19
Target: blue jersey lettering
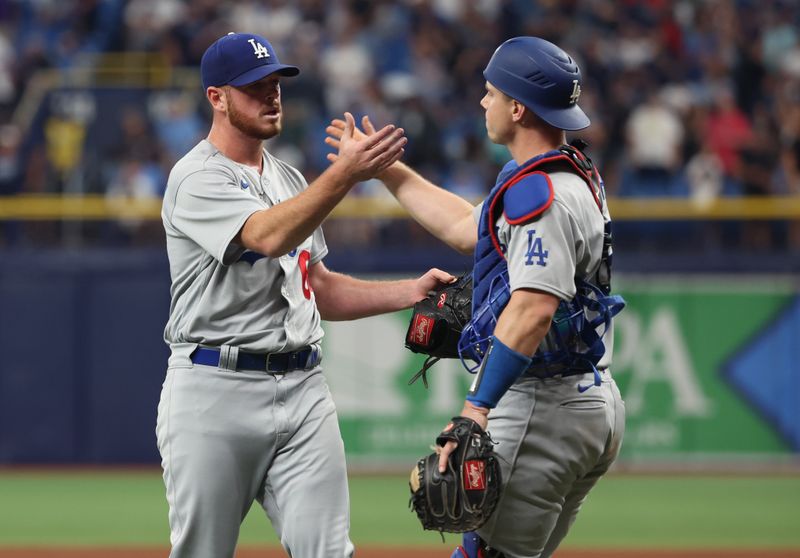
535, 250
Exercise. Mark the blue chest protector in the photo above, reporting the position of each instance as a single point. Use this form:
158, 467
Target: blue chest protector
574, 343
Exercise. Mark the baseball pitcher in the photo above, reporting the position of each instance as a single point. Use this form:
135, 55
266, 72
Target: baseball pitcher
245, 414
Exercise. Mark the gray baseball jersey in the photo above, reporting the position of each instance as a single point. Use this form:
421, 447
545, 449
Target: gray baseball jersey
565, 242
230, 435
557, 436
208, 199
547, 253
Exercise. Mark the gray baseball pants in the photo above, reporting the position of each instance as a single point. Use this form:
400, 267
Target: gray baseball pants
229, 438
554, 444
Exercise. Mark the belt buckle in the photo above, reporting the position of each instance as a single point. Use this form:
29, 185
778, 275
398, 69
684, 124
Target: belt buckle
266, 361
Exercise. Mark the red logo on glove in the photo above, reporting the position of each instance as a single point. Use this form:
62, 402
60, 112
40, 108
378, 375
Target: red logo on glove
421, 330
442, 298
474, 475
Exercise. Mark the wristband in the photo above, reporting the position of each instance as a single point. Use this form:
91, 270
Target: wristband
499, 370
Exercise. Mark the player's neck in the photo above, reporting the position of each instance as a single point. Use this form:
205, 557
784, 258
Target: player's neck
237, 146
528, 143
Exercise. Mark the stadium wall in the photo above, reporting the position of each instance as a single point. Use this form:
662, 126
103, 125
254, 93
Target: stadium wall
707, 365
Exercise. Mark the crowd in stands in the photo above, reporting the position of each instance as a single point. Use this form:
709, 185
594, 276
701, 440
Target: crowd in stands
697, 98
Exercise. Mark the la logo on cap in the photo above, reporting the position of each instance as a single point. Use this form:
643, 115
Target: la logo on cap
258, 49
239, 59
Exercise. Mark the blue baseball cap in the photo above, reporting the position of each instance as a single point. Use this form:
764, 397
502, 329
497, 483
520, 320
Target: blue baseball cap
239, 59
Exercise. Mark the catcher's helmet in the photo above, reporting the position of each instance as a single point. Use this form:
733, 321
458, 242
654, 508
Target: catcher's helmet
542, 77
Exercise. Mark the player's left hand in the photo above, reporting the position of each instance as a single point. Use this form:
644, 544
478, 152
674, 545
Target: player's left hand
432, 280
476, 413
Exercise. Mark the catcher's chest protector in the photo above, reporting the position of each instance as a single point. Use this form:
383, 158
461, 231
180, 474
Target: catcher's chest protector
489, 259
490, 272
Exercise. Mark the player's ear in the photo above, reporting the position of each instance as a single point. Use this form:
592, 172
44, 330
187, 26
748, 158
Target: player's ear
217, 97
518, 111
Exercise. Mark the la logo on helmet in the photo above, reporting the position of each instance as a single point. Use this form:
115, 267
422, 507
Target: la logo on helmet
576, 92
258, 49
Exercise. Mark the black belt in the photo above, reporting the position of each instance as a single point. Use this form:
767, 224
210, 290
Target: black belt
303, 359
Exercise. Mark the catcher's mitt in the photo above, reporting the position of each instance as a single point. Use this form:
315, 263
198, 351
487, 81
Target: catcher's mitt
437, 322
464, 496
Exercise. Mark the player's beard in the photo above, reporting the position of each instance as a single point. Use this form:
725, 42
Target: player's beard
253, 128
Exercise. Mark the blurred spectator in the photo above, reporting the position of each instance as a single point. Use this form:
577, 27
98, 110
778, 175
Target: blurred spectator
705, 177
779, 34
759, 157
422, 130
10, 168
790, 145
136, 140
8, 88
655, 138
147, 21
727, 131
346, 67
759, 163
135, 181
678, 91
64, 138
177, 124
276, 19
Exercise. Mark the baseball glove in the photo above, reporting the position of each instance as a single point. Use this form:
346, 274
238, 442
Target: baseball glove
464, 496
437, 321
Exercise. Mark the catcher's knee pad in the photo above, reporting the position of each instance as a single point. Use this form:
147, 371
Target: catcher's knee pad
472, 546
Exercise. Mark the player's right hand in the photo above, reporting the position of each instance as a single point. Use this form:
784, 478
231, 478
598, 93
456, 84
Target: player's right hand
365, 155
336, 128
479, 414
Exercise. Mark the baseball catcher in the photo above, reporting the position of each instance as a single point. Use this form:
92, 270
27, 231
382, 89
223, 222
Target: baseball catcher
463, 497
540, 335
437, 322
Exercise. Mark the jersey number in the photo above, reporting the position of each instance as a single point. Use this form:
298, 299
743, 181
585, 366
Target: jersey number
535, 250
302, 261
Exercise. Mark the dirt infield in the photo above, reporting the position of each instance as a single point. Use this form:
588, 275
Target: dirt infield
395, 552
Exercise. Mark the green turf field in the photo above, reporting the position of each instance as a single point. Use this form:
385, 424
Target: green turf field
128, 508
